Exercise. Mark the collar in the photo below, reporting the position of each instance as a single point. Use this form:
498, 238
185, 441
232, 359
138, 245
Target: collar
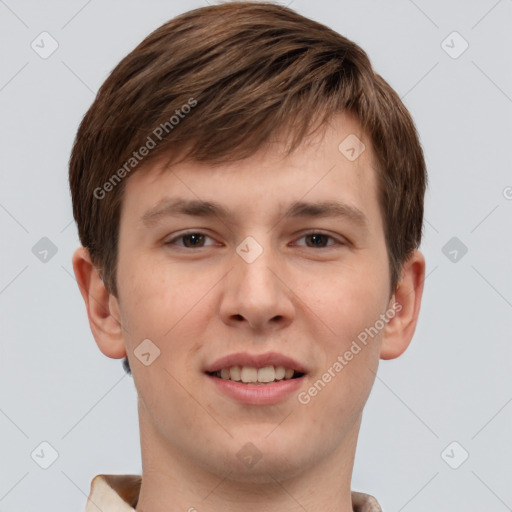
120, 493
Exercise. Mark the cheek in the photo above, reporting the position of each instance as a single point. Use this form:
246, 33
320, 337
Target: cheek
351, 308
155, 294
347, 299
163, 304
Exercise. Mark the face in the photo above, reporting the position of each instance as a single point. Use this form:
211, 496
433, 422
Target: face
254, 278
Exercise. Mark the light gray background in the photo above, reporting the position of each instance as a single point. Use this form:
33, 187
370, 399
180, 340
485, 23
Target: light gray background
452, 384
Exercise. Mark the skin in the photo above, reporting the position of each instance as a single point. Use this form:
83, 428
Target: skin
305, 296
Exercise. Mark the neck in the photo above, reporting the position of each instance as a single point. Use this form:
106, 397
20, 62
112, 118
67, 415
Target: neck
173, 480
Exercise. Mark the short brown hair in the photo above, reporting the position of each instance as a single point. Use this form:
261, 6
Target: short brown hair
232, 76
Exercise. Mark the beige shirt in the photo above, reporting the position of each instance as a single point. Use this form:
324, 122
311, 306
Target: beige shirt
120, 493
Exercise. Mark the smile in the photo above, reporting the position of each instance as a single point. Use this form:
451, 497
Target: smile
249, 374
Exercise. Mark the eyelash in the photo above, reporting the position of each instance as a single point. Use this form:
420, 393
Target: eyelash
310, 233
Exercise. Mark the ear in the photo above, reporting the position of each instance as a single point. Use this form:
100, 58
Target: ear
102, 308
399, 330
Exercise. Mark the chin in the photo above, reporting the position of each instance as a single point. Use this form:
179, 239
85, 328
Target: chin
262, 465
265, 471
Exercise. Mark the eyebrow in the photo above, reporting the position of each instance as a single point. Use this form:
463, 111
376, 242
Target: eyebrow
168, 207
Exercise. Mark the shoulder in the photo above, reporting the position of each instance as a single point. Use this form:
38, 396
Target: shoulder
114, 492
362, 502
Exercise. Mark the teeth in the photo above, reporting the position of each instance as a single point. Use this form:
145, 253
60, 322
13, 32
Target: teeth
235, 373
266, 374
280, 372
248, 374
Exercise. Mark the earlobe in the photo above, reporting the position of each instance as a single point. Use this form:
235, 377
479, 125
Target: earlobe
102, 307
399, 330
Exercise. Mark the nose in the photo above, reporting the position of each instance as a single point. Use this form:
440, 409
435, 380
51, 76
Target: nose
256, 293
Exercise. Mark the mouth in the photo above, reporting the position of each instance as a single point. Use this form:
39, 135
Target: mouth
257, 379
256, 376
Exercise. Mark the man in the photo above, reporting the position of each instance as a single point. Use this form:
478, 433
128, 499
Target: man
249, 199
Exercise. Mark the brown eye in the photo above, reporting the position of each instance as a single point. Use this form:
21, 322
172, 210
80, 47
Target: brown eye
196, 239
189, 240
319, 240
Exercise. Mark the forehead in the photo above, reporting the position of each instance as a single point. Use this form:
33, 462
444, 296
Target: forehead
336, 164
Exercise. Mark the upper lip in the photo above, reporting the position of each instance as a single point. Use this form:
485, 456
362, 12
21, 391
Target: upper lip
256, 361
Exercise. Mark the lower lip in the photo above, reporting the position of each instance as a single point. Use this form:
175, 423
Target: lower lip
258, 394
